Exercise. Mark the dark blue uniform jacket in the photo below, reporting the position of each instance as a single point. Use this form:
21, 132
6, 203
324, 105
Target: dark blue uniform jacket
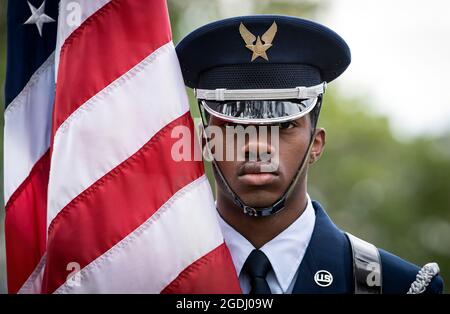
330, 250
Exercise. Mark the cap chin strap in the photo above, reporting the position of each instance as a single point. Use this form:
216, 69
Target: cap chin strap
278, 205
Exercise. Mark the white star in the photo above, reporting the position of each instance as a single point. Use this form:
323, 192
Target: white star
38, 17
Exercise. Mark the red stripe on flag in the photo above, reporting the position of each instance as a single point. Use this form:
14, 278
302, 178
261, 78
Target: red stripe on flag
196, 278
117, 204
26, 225
110, 42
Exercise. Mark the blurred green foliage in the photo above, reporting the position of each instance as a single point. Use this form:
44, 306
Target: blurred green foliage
393, 193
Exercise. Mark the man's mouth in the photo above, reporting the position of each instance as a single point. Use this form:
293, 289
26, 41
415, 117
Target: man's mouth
257, 173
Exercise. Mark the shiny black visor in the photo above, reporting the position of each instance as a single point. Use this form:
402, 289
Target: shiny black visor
259, 111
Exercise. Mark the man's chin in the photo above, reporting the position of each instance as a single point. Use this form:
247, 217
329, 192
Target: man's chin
259, 201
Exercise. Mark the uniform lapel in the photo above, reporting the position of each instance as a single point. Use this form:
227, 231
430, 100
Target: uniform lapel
328, 251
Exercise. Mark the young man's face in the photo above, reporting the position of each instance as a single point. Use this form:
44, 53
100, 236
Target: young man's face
261, 183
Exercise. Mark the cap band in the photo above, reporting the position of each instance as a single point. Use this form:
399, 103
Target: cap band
223, 94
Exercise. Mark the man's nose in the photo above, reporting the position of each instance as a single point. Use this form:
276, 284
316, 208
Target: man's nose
258, 148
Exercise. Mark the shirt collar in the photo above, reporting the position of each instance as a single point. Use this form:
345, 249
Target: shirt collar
285, 252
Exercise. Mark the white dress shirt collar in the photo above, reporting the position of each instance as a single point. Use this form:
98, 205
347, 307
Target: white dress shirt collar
285, 252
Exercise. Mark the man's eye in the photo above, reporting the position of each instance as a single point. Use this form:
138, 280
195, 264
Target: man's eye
286, 125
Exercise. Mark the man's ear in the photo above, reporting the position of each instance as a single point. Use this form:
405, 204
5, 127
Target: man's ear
317, 145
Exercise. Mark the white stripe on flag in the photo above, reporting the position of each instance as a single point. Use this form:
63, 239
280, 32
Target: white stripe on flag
27, 126
154, 254
123, 117
33, 284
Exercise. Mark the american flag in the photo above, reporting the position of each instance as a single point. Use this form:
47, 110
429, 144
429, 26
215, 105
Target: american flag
95, 203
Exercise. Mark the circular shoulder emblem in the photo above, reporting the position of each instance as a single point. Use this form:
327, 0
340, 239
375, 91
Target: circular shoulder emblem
323, 278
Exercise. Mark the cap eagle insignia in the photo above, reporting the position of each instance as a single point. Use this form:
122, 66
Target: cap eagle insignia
258, 48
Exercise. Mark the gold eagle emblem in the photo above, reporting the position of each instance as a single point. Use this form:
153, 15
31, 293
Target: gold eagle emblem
259, 48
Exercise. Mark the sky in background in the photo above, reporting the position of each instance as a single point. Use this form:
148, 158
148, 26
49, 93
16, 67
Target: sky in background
400, 59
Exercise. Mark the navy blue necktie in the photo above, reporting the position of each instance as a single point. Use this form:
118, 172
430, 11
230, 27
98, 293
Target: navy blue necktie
257, 266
